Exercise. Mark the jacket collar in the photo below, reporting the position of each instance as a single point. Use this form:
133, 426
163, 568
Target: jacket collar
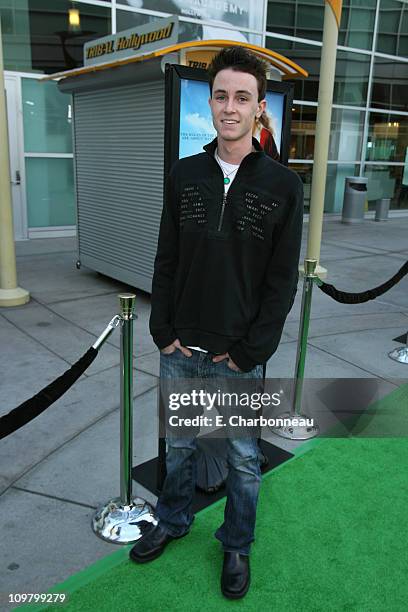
211, 146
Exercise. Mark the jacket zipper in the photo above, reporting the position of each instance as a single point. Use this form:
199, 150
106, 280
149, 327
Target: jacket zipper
224, 201
224, 197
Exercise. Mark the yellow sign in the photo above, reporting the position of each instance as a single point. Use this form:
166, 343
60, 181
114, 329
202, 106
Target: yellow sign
130, 41
102, 49
200, 58
135, 41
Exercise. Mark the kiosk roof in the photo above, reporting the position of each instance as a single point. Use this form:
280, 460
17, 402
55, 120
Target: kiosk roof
287, 68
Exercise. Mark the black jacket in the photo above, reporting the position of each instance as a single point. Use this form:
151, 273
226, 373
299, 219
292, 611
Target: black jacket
226, 271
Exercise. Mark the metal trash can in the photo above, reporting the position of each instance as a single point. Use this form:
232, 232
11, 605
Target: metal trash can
355, 195
382, 208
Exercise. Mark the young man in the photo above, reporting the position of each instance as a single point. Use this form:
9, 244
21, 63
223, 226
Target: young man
225, 278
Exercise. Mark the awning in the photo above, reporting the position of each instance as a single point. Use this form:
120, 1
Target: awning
286, 67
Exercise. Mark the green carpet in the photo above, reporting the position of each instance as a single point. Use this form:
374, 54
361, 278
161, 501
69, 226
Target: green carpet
330, 535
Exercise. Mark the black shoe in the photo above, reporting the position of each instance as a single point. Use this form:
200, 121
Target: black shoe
235, 577
151, 545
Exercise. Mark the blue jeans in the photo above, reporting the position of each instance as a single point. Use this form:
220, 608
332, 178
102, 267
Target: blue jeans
174, 506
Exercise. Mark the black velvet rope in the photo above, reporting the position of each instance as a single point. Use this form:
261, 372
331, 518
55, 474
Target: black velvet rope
364, 296
31, 408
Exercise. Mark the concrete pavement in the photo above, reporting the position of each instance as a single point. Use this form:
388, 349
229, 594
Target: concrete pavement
56, 470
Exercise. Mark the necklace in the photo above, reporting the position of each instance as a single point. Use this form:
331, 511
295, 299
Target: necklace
227, 180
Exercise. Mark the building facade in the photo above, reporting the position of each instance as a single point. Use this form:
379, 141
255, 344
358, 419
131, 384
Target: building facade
369, 132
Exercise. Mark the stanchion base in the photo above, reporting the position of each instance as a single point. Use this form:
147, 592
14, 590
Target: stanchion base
399, 354
122, 524
293, 430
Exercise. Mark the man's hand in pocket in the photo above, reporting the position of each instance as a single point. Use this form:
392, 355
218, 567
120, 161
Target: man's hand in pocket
232, 366
168, 350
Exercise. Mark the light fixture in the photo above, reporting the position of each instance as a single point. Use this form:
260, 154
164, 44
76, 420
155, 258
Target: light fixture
73, 19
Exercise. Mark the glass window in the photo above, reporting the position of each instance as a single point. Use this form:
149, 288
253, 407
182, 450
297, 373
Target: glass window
129, 19
393, 28
240, 13
390, 85
50, 196
334, 194
15, 25
351, 80
352, 71
308, 57
305, 19
302, 134
335, 180
205, 31
357, 23
187, 31
305, 171
345, 133
46, 118
387, 137
387, 182
45, 36
302, 18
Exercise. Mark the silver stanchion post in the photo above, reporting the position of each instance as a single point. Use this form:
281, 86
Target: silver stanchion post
125, 519
400, 354
291, 427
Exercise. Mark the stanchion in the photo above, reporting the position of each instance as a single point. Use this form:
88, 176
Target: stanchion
400, 354
292, 429
125, 519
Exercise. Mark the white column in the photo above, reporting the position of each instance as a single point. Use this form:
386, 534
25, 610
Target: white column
323, 121
10, 293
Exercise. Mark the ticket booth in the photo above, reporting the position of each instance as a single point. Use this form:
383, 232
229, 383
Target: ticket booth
129, 105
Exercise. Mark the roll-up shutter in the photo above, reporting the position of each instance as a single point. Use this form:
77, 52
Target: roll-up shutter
119, 156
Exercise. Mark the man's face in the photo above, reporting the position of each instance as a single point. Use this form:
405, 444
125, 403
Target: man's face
234, 104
